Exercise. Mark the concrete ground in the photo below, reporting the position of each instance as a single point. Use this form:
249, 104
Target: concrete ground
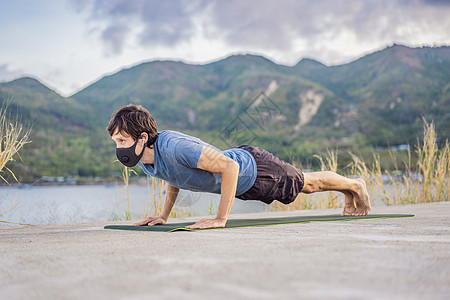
366, 259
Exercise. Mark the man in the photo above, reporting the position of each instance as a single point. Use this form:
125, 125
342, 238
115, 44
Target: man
245, 172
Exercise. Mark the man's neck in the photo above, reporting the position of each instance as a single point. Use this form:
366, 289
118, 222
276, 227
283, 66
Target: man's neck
149, 156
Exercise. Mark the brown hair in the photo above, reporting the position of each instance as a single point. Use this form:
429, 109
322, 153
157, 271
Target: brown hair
134, 120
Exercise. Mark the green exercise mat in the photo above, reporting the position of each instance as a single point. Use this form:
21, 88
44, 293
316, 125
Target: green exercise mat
233, 223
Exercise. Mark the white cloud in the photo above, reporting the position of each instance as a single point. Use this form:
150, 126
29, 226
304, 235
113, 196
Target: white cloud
69, 44
274, 26
6, 74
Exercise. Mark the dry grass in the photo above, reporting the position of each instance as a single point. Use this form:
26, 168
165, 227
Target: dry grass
156, 202
126, 173
330, 163
371, 174
429, 181
434, 166
318, 200
13, 137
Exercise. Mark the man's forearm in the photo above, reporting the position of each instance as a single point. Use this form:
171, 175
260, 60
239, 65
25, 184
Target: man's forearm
169, 201
228, 191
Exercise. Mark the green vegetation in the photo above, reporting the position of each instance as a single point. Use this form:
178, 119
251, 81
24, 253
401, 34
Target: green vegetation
370, 104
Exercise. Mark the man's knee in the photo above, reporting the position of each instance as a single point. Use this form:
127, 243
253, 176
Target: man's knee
312, 183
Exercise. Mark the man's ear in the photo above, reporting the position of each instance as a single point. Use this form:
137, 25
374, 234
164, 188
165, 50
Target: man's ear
144, 136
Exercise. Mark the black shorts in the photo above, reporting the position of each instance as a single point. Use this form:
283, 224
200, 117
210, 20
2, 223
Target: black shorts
275, 178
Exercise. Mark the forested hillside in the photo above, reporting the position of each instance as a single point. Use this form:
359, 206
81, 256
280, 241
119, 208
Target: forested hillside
377, 100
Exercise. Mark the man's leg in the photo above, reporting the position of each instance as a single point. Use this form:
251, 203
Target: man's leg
357, 201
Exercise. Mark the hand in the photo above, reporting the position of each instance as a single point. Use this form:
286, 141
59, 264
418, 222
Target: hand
208, 223
150, 221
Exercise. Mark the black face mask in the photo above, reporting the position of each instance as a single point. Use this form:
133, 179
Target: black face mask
128, 157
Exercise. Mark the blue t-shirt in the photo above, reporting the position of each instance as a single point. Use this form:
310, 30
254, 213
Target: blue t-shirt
176, 158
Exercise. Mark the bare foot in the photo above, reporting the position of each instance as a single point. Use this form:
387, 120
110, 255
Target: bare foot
350, 206
361, 199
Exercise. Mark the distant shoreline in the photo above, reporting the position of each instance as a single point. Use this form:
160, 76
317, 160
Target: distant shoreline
25, 185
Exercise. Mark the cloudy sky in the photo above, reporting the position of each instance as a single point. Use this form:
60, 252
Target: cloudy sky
68, 44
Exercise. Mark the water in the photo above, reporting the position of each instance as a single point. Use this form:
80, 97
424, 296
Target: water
74, 204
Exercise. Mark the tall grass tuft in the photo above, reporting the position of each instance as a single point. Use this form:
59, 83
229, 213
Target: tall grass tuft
330, 163
429, 181
156, 203
433, 165
126, 173
371, 174
13, 137
318, 200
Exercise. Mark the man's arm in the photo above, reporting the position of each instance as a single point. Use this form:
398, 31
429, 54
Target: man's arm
216, 162
169, 201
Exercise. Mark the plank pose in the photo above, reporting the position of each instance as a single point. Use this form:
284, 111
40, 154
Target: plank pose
245, 172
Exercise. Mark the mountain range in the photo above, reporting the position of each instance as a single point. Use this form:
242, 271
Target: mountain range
380, 99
